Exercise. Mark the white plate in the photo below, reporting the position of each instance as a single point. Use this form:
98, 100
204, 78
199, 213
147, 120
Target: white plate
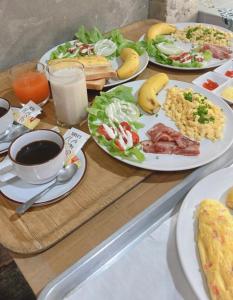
220, 79
18, 191
210, 187
165, 162
116, 63
211, 64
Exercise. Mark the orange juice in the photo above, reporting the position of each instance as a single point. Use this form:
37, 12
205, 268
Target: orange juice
31, 85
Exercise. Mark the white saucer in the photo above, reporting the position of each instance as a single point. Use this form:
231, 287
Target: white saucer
4, 147
18, 191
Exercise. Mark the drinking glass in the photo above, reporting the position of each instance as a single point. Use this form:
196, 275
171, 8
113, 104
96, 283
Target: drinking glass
69, 91
29, 82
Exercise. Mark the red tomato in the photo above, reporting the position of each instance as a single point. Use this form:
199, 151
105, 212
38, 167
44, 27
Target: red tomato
135, 137
117, 143
229, 73
210, 84
101, 130
126, 126
199, 59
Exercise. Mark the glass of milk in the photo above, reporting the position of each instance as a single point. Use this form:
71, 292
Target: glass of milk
69, 92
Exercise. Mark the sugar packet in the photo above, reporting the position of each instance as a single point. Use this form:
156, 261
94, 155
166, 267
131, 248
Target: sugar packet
27, 115
75, 139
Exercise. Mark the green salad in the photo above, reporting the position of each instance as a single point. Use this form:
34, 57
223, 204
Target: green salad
114, 121
93, 42
166, 52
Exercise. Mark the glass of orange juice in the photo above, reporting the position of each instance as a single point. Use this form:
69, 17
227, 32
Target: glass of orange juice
29, 82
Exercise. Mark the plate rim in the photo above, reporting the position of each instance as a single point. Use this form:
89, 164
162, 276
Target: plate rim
56, 199
179, 238
137, 165
217, 64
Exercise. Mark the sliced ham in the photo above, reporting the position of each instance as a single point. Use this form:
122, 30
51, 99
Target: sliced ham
148, 146
219, 52
169, 141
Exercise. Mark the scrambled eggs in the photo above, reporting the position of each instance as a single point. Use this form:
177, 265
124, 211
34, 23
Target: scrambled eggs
215, 244
195, 115
200, 34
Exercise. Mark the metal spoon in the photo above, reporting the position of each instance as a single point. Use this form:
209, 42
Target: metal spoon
13, 133
64, 175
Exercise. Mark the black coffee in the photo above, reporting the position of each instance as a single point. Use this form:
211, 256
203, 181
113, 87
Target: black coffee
37, 152
3, 111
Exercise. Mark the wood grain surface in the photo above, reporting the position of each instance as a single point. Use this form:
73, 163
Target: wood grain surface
108, 197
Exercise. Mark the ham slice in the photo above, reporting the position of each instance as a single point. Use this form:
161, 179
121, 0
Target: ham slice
219, 52
166, 140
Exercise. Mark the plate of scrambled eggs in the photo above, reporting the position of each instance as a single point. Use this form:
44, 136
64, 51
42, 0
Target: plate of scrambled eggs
205, 237
191, 128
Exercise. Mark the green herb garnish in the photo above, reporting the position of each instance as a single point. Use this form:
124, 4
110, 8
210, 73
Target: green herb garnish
188, 96
202, 113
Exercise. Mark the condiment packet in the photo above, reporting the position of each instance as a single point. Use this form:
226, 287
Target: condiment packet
74, 141
27, 115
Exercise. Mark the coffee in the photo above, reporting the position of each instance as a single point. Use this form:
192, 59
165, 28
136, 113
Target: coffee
3, 111
37, 152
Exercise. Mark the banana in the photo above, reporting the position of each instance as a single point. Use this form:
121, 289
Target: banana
130, 63
160, 28
147, 93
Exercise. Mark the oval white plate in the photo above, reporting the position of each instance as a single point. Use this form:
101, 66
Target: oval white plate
211, 64
19, 191
211, 186
116, 63
165, 162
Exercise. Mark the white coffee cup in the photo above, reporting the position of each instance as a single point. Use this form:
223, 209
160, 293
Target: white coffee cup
6, 120
36, 173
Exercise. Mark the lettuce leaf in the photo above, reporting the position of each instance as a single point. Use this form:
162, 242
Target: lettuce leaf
207, 55
98, 116
89, 37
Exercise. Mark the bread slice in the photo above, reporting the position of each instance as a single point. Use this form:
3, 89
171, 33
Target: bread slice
93, 73
95, 67
96, 85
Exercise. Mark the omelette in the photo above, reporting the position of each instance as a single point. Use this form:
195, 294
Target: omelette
215, 245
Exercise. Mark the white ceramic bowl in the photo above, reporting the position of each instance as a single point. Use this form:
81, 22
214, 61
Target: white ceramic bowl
37, 173
220, 79
7, 119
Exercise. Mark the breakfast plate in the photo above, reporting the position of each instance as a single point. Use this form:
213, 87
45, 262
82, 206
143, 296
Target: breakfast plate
188, 46
19, 191
166, 162
186, 231
115, 61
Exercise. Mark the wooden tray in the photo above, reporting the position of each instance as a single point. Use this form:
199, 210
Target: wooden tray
105, 180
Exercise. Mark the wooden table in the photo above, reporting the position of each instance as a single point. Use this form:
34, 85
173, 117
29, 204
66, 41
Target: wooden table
41, 268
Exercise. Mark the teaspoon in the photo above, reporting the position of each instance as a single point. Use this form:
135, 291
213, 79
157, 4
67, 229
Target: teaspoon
64, 175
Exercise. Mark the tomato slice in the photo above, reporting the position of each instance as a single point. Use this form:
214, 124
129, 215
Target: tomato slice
119, 146
135, 137
125, 125
229, 73
210, 84
101, 130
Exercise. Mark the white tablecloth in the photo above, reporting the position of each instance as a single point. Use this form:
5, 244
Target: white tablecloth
149, 270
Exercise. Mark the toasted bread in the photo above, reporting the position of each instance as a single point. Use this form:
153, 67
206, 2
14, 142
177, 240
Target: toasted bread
97, 84
97, 73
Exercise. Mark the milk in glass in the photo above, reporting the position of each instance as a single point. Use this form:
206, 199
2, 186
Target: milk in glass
70, 94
